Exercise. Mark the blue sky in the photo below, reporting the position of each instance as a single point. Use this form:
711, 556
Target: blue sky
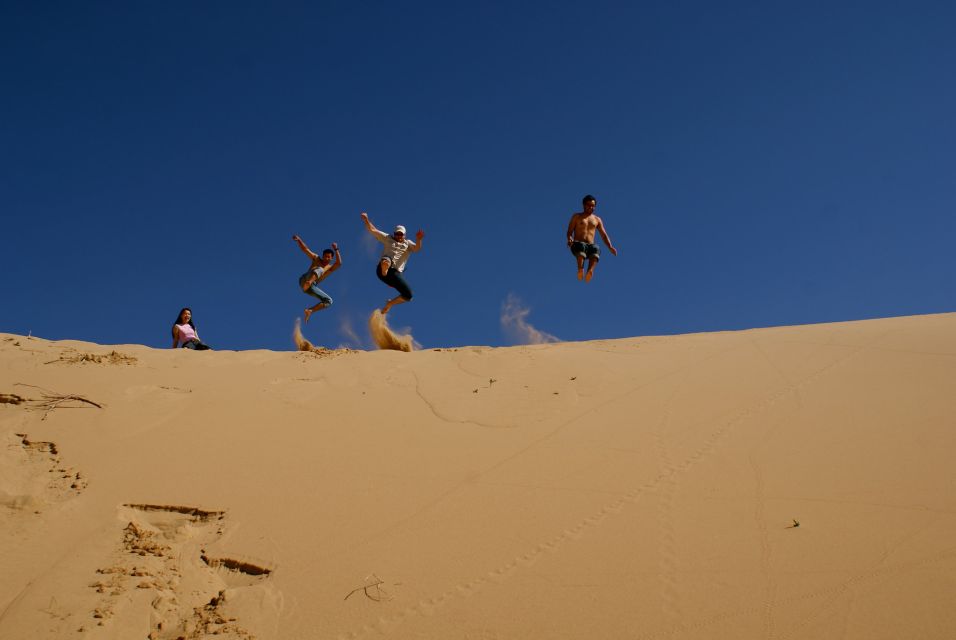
755, 163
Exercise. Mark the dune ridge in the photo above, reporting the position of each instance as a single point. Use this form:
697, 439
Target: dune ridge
789, 482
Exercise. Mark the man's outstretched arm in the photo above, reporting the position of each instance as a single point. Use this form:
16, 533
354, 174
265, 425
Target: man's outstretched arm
605, 237
338, 258
368, 225
418, 241
304, 248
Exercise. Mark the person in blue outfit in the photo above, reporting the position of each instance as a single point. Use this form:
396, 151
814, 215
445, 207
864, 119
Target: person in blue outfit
320, 268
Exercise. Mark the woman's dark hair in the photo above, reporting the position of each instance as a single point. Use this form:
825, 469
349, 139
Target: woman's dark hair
179, 317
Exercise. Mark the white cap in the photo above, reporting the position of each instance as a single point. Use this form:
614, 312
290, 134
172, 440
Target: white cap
399, 229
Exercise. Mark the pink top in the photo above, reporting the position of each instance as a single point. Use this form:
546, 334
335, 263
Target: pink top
186, 332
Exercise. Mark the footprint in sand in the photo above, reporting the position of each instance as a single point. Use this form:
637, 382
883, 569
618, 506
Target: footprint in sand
164, 570
32, 476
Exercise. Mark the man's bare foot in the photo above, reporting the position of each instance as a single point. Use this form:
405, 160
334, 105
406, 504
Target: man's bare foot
580, 274
588, 276
308, 312
388, 305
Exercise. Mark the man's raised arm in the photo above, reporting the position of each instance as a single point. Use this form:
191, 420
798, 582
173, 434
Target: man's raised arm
338, 258
304, 248
418, 242
368, 225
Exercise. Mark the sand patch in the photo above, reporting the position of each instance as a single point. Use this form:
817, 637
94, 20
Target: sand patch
385, 338
113, 357
11, 398
164, 572
32, 475
302, 344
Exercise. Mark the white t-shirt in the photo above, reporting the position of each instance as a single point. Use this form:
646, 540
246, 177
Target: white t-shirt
396, 251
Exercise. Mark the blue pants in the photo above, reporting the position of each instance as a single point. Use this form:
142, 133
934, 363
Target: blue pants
394, 279
314, 291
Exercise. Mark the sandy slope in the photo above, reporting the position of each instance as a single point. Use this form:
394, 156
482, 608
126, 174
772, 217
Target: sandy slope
641, 488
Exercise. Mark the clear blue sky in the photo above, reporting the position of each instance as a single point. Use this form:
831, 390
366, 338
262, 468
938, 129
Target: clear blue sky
755, 163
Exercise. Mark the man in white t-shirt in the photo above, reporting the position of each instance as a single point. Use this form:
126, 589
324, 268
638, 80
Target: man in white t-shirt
394, 256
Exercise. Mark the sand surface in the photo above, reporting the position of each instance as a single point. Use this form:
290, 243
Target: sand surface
793, 482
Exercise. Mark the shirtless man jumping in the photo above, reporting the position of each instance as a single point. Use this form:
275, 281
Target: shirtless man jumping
320, 268
581, 238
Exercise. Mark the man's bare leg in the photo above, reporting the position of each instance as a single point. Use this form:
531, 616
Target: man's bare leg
311, 310
592, 262
391, 303
383, 267
580, 267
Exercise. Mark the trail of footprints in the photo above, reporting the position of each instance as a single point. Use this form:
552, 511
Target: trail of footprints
164, 563
669, 565
669, 475
63, 478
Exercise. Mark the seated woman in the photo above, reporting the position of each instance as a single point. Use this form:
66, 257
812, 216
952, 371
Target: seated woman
185, 331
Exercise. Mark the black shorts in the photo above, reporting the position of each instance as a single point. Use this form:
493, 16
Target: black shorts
586, 250
394, 279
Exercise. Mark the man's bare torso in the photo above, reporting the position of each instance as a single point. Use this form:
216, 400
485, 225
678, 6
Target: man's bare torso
315, 278
584, 227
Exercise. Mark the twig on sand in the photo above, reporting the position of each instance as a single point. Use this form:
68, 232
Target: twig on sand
51, 400
378, 596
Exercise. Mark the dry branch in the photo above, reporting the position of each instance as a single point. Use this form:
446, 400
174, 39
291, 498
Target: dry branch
51, 400
379, 595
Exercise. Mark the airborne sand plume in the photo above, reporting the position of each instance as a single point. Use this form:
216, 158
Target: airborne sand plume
514, 322
301, 343
384, 337
793, 483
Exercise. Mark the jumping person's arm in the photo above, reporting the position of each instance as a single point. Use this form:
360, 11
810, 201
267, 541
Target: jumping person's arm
369, 225
175, 336
338, 259
304, 248
570, 234
418, 242
604, 236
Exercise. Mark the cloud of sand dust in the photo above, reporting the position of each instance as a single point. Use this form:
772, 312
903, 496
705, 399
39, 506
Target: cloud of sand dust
386, 338
346, 329
300, 342
514, 314
370, 246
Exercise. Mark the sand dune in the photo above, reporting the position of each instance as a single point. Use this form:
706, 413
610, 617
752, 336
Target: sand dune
792, 482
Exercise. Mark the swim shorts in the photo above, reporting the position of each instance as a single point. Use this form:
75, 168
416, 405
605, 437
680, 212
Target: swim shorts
586, 250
